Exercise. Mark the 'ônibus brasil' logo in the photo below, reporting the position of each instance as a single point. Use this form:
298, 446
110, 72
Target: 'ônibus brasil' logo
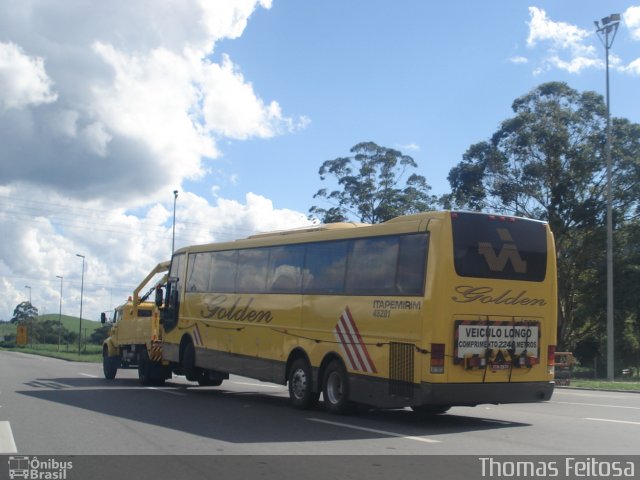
509, 251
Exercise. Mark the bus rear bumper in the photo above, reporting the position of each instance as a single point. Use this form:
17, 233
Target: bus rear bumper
387, 395
471, 394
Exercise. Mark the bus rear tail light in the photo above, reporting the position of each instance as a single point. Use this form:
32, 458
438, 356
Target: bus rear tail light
551, 358
437, 358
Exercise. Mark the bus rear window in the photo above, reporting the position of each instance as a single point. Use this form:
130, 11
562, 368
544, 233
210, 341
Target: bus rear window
491, 246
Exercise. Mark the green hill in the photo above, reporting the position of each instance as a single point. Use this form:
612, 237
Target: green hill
72, 323
68, 322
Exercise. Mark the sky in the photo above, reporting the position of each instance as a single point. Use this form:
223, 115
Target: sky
106, 108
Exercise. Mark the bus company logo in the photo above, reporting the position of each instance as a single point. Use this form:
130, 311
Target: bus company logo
35, 469
509, 251
353, 348
470, 294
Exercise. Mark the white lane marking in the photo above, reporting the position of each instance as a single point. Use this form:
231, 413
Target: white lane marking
597, 405
373, 430
256, 384
164, 390
612, 421
7, 443
87, 375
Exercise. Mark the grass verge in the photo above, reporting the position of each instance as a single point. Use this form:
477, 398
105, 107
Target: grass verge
632, 385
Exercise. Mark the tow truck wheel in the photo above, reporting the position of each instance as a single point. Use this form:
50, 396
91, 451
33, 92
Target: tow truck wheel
144, 370
149, 373
109, 364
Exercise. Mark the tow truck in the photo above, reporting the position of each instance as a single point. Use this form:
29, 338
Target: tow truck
135, 339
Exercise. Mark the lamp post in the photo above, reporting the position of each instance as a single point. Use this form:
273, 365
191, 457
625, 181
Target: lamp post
60, 311
173, 238
81, 294
607, 29
27, 286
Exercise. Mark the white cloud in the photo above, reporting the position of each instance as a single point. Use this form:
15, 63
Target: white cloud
23, 79
232, 108
633, 68
631, 18
518, 59
119, 248
562, 35
136, 90
105, 107
568, 49
574, 65
411, 147
151, 101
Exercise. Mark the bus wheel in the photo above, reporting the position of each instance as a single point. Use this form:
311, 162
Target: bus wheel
109, 365
336, 388
428, 410
301, 385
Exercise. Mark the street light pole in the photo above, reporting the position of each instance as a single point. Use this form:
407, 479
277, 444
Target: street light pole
81, 294
173, 238
60, 312
27, 286
607, 30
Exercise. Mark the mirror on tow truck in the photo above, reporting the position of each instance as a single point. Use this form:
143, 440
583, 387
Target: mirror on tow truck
103, 318
159, 296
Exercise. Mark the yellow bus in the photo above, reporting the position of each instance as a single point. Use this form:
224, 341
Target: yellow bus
427, 311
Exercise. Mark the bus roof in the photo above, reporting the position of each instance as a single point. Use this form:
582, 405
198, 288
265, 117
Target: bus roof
314, 228
412, 222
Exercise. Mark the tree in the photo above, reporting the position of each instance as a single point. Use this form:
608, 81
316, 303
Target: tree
547, 162
370, 186
24, 313
100, 334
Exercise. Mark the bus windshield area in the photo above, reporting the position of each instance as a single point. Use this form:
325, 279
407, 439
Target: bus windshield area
497, 247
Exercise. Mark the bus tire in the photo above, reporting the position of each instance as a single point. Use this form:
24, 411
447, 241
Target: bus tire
301, 385
336, 388
109, 364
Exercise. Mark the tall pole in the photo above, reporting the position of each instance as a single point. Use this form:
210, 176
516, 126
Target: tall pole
173, 238
607, 33
81, 294
27, 286
60, 311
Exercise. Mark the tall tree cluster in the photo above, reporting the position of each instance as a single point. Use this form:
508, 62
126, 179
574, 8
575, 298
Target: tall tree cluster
373, 185
546, 162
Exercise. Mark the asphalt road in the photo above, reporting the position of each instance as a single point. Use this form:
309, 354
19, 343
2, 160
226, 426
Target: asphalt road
54, 407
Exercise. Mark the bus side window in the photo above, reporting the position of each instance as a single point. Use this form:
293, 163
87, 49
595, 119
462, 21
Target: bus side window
412, 264
285, 269
325, 267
